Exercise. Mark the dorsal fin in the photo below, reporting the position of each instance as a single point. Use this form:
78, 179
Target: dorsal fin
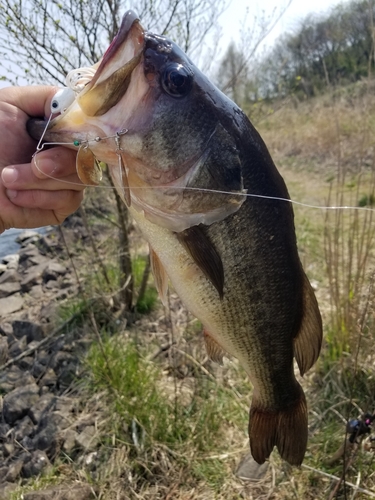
308, 341
214, 350
160, 276
204, 254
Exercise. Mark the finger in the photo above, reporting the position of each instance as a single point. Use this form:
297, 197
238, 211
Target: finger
57, 162
62, 202
34, 100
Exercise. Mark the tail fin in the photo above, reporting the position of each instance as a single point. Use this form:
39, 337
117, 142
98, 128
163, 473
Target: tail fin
286, 429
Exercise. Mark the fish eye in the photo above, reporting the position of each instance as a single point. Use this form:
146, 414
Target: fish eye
177, 80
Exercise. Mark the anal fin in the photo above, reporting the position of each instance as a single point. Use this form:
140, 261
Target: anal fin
308, 341
204, 254
160, 276
214, 350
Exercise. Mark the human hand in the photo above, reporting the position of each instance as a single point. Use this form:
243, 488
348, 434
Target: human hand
28, 196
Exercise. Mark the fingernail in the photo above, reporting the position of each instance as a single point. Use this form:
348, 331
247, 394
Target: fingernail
11, 193
9, 175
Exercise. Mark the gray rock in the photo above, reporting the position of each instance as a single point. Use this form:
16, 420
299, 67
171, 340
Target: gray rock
8, 449
6, 489
18, 402
10, 305
9, 378
249, 469
53, 271
49, 378
63, 492
25, 379
10, 276
6, 328
3, 350
35, 464
43, 405
33, 331
36, 292
26, 363
3, 268
15, 469
31, 279
4, 430
25, 235
87, 439
10, 288
17, 347
23, 428
11, 259
70, 437
52, 284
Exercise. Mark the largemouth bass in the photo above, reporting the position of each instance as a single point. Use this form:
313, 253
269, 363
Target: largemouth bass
184, 158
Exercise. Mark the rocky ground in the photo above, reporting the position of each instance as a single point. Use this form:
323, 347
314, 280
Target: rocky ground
42, 415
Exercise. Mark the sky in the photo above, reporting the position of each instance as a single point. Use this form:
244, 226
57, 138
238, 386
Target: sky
231, 19
298, 9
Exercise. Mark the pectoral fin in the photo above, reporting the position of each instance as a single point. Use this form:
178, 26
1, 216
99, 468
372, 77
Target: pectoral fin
308, 341
160, 276
204, 255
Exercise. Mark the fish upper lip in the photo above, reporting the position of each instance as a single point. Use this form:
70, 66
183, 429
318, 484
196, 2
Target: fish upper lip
128, 20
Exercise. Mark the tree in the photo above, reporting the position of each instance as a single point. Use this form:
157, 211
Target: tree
45, 39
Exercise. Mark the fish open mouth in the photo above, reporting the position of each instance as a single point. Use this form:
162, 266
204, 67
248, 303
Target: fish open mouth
111, 80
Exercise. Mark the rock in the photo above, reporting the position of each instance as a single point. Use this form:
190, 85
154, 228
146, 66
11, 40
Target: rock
26, 235
4, 429
3, 350
249, 469
15, 469
6, 489
63, 492
70, 437
11, 260
53, 271
33, 331
49, 378
52, 284
26, 363
10, 288
3, 268
35, 463
8, 449
23, 428
17, 347
31, 279
18, 402
25, 379
87, 439
10, 276
10, 305
43, 405
9, 378
6, 328
36, 292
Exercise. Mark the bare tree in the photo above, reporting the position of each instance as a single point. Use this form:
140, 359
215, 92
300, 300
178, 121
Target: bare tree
42, 40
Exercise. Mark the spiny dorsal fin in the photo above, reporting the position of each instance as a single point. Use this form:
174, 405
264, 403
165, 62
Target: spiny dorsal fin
308, 341
204, 255
160, 276
214, 350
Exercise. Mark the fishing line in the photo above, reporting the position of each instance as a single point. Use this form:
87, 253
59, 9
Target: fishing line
203, 190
